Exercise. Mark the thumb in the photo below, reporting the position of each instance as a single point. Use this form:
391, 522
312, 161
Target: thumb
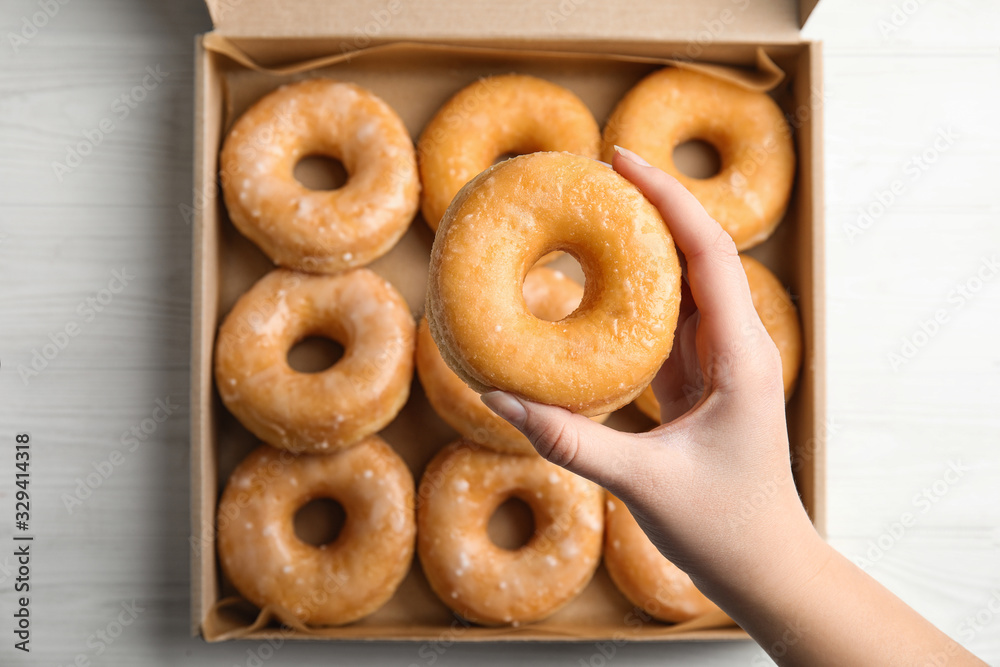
580, 445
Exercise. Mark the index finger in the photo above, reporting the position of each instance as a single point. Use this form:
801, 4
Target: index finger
718, 282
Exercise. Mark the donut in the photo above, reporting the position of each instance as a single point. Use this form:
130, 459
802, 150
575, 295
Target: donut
494, 116
461, 489
332, 409
334, 583
602, 355
648, 404
549, 295
750, 193
317, 230
779, 317
647, 579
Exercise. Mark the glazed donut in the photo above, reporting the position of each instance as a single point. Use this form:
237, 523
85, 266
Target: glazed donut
750, 193
332, 409
643, 575
334, 583
461, 489
648, 404
601, 356
779, 317
313, 230
494, 116
549, 295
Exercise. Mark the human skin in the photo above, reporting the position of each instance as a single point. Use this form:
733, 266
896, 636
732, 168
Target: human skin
723, 440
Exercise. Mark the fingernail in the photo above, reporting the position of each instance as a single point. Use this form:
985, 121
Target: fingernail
630, 156
507, 406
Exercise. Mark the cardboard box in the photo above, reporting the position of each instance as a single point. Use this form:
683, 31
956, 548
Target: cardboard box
415, 59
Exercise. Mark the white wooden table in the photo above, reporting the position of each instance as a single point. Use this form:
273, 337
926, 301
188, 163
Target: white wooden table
923, 79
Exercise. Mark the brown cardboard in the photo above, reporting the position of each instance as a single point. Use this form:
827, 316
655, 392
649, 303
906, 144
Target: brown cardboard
415, 79
456, 20
762, 77
806, 8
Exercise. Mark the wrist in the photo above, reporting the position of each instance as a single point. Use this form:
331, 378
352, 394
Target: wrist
773, 560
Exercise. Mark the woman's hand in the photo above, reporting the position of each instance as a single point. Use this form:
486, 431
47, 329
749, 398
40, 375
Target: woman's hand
723, 440
712, 486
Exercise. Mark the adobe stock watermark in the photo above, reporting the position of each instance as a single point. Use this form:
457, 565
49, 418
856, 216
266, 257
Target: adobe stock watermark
792, 635
267, 648
913, 169
958, 297
88, 310
258, 483
767, 491
362, 37
30, 25
790, 122
121, 108
260, 142
430, 651
976, 622
923, 501
967, 630
316, 598
605, 652
381, 18
564, 10
636, 618
899, 16
224, 7
714, 28
163, 409
101, 639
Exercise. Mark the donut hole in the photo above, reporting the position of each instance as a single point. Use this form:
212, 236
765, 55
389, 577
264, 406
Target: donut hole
570, 267
697, 159
516, 151
320, 521
512, 524
320, 172
506, 156
314, 354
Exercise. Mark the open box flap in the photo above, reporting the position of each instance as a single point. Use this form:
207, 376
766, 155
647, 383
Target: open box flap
806, 8
639, 20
